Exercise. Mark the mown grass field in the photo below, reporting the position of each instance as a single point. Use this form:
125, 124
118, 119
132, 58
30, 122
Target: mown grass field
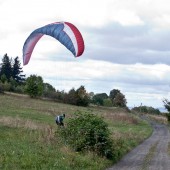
28, 135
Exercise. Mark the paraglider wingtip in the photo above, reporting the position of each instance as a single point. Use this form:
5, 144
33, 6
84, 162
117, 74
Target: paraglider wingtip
24, 64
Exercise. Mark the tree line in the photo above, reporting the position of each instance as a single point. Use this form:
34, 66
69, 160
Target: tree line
11, 74
12, 79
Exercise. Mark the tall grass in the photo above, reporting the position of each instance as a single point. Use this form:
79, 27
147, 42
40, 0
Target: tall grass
32, 149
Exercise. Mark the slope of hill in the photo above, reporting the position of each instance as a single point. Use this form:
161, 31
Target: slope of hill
29, 141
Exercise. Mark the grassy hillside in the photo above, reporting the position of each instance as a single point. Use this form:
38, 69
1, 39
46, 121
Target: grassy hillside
29, 140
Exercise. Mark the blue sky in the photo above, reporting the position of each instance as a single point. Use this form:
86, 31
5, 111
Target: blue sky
126, 45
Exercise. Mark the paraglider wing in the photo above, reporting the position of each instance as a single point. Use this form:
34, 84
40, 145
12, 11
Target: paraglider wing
66, 33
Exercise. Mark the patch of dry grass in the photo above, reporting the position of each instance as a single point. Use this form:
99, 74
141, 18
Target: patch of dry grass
121, 117
19, 122
46, 135
158, 118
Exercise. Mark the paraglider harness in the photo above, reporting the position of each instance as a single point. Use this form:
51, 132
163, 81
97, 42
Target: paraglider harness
59, 120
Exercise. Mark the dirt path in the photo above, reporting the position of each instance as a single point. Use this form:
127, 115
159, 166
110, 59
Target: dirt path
152, 154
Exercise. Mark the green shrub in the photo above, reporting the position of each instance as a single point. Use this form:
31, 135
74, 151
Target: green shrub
1, 88
6, 86
88, 132
168, 116
107, 102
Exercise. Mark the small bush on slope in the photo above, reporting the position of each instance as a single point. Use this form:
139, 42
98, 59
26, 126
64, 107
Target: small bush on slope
88, 132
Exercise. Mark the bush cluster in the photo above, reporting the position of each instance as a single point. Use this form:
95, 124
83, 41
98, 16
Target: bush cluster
146, 109
1, 88
77, 97
88, 132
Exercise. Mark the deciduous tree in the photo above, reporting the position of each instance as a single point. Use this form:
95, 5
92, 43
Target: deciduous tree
34, 86
118, 99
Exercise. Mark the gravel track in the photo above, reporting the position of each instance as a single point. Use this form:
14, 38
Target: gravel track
152, 154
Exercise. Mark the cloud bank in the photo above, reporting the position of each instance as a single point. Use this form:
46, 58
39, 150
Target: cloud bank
126, 45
